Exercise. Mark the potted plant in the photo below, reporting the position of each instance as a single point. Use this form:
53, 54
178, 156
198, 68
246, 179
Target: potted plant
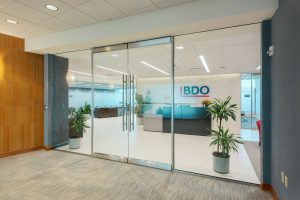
77, 127
206, 103
139, 108
86, 109
221, 138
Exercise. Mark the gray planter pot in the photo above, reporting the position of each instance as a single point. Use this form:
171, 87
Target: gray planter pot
74, 143
221, 165
140, 121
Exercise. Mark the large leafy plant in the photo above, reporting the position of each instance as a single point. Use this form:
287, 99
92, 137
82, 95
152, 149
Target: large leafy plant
225, 141
139, 108
77, 123
86, 108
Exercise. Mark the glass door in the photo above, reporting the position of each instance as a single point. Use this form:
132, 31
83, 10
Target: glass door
132, 103
111, 113
150, 138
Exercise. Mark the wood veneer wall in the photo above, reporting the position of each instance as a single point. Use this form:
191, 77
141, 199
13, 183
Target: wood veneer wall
21, 97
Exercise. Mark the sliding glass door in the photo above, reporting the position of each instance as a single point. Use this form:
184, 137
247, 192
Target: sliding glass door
132, 103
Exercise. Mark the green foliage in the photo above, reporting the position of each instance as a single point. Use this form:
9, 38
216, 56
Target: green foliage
86, 108
225, 141
222, 110
139, 108
77, 123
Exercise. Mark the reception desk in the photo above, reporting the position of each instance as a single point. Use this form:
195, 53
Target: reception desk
187, 120
106, 112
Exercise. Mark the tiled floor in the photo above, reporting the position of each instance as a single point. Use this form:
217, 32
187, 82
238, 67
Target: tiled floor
192, 153
56, 175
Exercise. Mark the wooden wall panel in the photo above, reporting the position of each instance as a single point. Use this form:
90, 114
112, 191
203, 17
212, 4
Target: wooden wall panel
21, 97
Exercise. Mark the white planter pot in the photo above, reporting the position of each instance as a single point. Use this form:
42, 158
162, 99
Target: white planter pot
87, 116
74, 143
221, 165
140, 121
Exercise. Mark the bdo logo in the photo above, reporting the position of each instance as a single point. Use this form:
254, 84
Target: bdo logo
194, 91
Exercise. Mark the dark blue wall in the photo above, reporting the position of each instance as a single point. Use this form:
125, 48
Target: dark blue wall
57, 100
285, 99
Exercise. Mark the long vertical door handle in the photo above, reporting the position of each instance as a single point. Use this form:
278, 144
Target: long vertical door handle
126, 104
123, 110
133, 97
129, 102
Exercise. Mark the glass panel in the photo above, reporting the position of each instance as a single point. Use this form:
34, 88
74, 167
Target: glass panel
80, 97
110, 135
209, 65
246, 101
150, 139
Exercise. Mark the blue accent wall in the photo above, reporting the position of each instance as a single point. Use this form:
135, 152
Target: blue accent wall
56, 100
285, 99
266, 104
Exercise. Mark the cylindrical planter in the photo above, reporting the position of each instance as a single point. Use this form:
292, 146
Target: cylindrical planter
87, 116
221, 165
74, 143
140, 121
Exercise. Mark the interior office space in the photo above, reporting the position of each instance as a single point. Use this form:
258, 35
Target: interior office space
95, 92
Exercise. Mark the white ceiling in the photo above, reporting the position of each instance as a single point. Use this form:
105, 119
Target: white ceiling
35, 20
227, 51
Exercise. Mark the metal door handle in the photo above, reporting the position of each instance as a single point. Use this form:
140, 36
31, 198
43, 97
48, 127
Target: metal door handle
133, 97
129, 110
123, 110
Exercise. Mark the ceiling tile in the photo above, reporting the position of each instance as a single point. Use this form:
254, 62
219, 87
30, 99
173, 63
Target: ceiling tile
25, 34
75, 2
39, 30
40, 5
100, 10
57, 24
24, 12
3, 2
22, 24
133, 6
167, 3
76, 18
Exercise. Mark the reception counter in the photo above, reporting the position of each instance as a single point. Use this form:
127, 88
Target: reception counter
106, 112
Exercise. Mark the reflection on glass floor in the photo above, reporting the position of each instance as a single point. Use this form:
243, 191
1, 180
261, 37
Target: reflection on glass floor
192, 153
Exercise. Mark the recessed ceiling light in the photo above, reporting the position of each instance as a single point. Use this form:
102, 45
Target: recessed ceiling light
51, 7
258, 68
180, 47
114, 55
11, 21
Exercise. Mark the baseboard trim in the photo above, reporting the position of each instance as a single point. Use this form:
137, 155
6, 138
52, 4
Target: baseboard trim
47, 148
268, 187
20, 151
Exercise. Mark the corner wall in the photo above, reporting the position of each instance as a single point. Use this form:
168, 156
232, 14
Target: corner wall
285, 99
21, 97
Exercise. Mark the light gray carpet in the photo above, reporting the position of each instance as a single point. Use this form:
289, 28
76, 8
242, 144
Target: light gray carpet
253, 151
55, 175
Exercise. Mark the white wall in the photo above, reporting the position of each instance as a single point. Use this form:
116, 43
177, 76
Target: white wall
220, 86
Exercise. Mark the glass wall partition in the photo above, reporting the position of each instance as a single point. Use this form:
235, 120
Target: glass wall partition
250, 100
209, 65
132, 119
80, 85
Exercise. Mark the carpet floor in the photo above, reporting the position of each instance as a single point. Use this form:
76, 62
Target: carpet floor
55, 175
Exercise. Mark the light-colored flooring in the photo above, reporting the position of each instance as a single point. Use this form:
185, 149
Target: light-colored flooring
56, 175
192, 153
